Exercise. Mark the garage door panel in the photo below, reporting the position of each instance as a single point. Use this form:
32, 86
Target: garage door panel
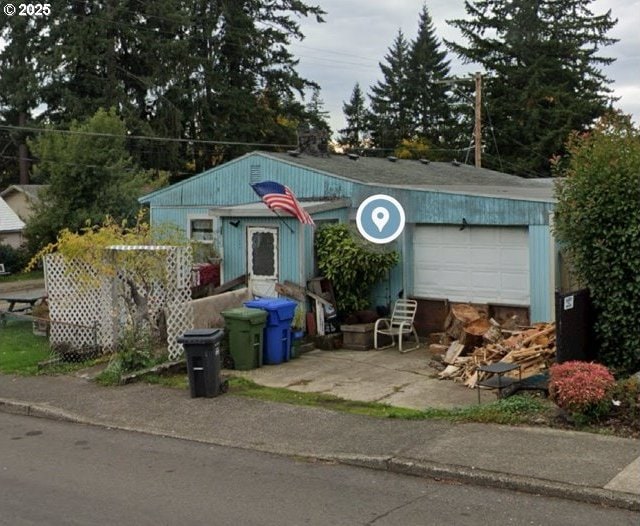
478, 264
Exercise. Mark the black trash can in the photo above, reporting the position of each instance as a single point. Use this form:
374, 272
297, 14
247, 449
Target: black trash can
202, 350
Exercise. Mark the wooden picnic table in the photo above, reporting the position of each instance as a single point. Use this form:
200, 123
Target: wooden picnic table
21, 302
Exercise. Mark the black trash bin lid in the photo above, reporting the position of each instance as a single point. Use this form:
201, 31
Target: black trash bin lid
200, 336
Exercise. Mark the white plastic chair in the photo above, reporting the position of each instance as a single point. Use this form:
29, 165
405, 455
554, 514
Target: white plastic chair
400, 323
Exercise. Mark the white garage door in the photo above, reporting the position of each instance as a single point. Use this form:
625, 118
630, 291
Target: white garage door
478, 264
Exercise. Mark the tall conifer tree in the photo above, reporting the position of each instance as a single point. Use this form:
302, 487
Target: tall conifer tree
544, 77
430, 100
357, 117
390, 109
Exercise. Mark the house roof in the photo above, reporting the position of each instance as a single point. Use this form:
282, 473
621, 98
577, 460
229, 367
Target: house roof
437, 176
31, 190
406, 174
9, 220
259, 209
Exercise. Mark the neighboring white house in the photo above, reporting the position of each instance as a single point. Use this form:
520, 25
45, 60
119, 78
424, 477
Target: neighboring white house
22, 198
11, 226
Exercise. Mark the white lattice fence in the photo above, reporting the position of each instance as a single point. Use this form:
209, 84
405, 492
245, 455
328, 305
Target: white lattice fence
89, 309
76, 296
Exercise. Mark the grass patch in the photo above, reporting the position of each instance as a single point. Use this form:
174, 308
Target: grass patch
21, 352
20, 349
520, 409
245, 387
22, 276
175, 381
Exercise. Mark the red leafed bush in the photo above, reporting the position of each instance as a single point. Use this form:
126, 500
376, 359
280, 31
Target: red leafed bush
581, 388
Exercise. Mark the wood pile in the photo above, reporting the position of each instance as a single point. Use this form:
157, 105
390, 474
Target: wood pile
480, 341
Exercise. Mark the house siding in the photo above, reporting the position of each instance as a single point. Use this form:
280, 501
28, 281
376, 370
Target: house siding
229, 184
540, 247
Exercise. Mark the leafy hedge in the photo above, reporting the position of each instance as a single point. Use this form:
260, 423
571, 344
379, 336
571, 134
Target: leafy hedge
351, 264
598, 220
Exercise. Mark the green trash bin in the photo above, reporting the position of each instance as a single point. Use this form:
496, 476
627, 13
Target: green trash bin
245, 327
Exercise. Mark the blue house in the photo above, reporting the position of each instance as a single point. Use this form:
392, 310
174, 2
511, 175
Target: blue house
472, 234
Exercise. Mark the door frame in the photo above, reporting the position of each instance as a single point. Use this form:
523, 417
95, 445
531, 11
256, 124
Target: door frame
276, 253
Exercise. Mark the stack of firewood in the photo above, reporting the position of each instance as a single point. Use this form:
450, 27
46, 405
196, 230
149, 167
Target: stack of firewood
481, 341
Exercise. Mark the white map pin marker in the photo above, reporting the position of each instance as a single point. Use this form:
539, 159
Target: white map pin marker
380, 217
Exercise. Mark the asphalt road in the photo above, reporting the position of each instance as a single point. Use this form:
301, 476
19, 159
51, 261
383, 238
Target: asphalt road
58, 473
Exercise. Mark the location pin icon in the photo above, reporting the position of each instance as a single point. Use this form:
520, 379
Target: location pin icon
380, 217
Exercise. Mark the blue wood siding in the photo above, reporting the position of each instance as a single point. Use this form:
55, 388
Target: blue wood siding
228, 184
295, 245
540, 273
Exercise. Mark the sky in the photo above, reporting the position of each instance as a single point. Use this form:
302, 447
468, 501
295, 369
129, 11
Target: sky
357, 34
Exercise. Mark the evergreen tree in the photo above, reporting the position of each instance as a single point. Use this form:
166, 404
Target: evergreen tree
390, 108
18, 90
318, 117
357, 117
544, 74
213, 70
431, 108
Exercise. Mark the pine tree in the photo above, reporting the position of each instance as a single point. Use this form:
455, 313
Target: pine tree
544, 74
431, 108
390, 108
357, 117
19, 60
318, 117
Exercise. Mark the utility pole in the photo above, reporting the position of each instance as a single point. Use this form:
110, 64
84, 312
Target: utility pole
477, 129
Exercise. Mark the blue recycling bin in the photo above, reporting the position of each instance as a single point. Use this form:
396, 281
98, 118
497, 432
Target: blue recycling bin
277, 330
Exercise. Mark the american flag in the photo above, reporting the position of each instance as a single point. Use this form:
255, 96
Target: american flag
278, 197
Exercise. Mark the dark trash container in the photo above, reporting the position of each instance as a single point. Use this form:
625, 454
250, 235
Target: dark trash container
277, 332
202, 351
245, 329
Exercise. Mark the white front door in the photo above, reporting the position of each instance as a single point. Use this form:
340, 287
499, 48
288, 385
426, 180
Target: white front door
262, 260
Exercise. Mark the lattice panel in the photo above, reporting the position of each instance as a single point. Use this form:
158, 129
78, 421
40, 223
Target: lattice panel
178, 307
89, 312
76, 305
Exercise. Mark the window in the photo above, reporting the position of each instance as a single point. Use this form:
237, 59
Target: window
201, 230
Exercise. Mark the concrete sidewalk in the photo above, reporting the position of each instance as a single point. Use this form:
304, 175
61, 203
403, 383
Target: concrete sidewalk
581, 466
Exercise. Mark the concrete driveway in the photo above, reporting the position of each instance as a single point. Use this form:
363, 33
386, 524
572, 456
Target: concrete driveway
385, 376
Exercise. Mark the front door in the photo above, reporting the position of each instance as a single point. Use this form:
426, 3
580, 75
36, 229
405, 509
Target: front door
262, 259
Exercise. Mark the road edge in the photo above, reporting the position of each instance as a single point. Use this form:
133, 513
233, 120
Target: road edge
404, 466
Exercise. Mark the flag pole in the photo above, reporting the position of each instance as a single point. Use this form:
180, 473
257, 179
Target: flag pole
283, 222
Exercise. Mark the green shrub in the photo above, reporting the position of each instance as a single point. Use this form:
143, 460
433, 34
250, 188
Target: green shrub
14, 259
597, 219
625, 401
351, 264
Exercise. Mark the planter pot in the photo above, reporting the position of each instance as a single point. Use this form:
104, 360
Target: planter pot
40, 327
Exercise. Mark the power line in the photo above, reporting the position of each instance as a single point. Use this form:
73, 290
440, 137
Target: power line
144, 137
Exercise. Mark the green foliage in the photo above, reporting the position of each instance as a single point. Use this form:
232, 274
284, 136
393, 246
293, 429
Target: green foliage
429, 99
626, 402
357, 117
90, 176
598, 221
351, 264
14, 259
544, 77
390, 117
